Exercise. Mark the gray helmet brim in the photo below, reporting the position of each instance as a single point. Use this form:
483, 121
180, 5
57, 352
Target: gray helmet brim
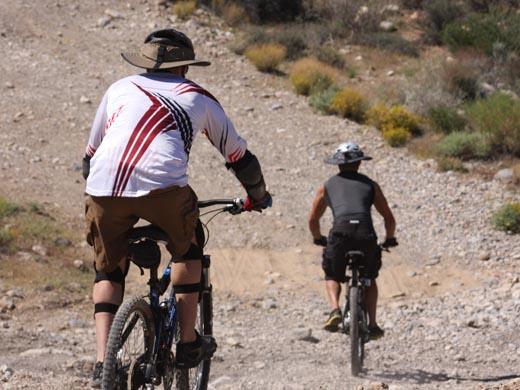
339, 158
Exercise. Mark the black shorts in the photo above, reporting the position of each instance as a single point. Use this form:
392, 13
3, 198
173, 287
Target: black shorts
334, 263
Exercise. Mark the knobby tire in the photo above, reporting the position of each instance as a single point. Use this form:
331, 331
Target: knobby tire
355, 340
124, 323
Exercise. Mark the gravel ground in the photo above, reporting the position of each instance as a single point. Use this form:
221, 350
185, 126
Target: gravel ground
60, 58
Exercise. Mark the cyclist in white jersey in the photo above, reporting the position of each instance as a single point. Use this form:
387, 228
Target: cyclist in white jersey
135, 165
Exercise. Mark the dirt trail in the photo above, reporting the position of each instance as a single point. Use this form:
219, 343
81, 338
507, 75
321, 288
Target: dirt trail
451, 320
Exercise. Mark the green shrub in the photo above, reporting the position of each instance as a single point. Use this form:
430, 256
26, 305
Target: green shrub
439, 14
263, 11
321, 100
8, 208
396, 136
445, 164
184, 9
483, 30
446, 119
507, 218
6, 239
309, 75
266, 57
330, 56
391, 42
498, 117
292, 39
464, 145
349, 103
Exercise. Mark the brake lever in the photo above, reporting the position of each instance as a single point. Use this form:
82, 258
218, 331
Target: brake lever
237, 208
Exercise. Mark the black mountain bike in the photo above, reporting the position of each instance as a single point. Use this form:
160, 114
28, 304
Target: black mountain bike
139, 348
355, 316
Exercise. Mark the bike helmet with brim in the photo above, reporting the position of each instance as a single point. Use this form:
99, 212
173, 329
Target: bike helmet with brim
347, 153
164, 49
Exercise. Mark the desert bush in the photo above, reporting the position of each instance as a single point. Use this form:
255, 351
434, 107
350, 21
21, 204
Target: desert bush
266, 57
464, 145
445, 164
507, 218
330, 56
234, 14
413, 4
383, 117
498, 117
391, 42
291, 38
308, 75
485, 6
321, 100
484, 31
263, 11
439, 14
349, 103
427, 88
446, 119
396, 136
184, 9
346, 17
461, 79
8, 208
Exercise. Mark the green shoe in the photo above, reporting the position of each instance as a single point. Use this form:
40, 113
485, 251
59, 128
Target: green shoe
333, 321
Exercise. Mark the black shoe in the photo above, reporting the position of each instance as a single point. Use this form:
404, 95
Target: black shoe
190, 355
95, 382
375, 332
333, 321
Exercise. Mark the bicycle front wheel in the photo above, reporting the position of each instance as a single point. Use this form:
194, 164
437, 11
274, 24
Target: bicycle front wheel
356, 343
197, 378
129, 346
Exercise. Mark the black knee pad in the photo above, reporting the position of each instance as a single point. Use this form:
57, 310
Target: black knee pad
116, 276
193, 253
187, 288
104, 307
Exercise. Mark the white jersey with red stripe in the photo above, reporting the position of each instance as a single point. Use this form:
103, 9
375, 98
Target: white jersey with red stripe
143, 131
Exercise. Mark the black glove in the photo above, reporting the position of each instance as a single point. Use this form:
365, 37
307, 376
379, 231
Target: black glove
322, 241
85, 166
389, 243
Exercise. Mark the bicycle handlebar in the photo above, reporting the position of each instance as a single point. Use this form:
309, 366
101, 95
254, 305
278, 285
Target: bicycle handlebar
234, 206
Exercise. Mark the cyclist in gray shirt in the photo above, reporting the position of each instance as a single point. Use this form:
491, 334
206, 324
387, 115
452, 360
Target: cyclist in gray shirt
350, 195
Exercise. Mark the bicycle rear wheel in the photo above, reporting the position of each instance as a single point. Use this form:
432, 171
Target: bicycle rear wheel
197, 378
129, 346
356, 342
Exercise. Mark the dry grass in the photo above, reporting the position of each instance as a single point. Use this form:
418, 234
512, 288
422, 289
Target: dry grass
184, 9
266, 57
349, 103
234, 14
309, 75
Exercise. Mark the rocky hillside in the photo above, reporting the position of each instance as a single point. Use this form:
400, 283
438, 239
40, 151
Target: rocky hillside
450, 292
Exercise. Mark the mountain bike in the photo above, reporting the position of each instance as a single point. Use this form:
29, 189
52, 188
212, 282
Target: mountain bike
355, 316
139, 348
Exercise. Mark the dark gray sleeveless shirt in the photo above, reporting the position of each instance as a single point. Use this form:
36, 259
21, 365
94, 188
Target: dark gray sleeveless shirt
350, 195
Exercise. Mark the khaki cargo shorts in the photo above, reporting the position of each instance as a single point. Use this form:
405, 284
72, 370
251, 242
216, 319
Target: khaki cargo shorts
109, 220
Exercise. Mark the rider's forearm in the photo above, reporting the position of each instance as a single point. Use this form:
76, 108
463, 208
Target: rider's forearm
248, 171
390, 226
314, 227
